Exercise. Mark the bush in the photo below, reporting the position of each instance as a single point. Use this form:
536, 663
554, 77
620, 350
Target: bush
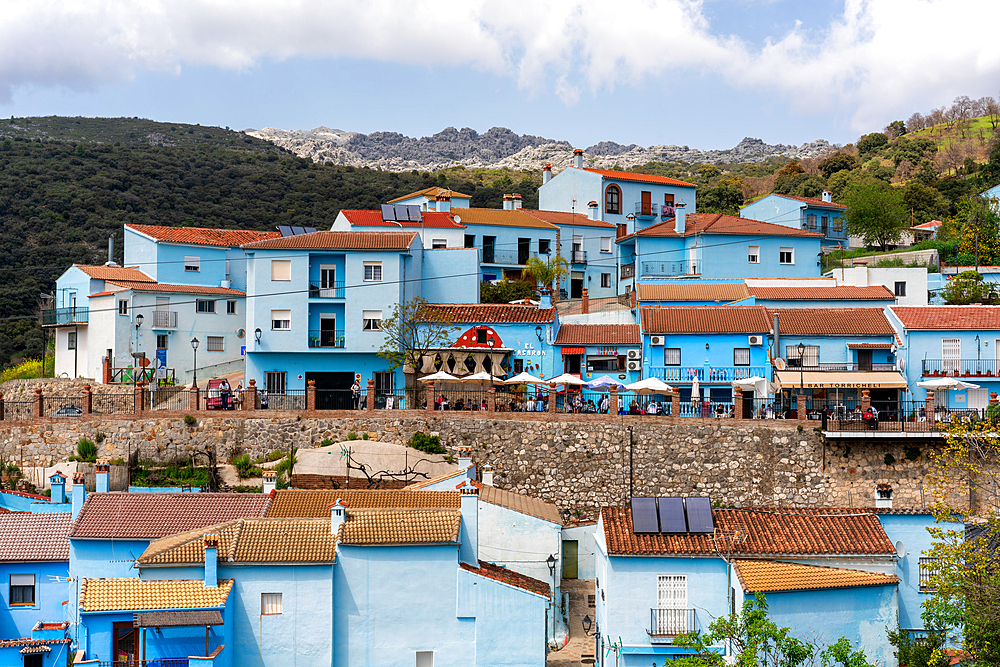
29, 368
189, 420
364, 436
244, 465
287, 464
86, 450
275, 455
326, 443
98, 437
352, 436
429, 444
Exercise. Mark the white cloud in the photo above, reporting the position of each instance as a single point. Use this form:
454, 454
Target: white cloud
878, 59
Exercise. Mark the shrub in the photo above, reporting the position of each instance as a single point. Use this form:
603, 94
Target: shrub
244, 465
275, 455
189, 420
98, 437
286, 465
352, 436
29, 368
429, 444
86, 450
118, 461
889, 459
364, 436
326, 443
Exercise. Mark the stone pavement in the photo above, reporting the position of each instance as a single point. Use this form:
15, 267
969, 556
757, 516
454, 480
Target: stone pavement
580, 647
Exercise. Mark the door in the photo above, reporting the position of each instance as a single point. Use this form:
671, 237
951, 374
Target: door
333, 390
671, 604
489, 246
578, 256
523, 250
647, 202
979, 399
576, 285
123, 642
864, 360
385, 385
951, 355
33, 660
328, 331
570, 551
327, 281
572, 364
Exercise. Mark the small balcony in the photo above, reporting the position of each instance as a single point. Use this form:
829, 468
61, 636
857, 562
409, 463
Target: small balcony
336, 291
509, 257
680, 268
646, 210
61, 317
628, 271
834, 366
665, 624
959, 367
326, 338
705, 373
578, 257
164, 319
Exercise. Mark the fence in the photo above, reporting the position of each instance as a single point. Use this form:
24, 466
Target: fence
18, 411
113, 404
62, 406
167, 398
290, 399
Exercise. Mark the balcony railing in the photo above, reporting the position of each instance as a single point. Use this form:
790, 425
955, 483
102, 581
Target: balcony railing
164, 319
628, 271
646, 209
840, 366
960, 367
706, 374
131, 662
670, 622
669, 268
579, 257
509, 257
56, 317
326, 338
335, 292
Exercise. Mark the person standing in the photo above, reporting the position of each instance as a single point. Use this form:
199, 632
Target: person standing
356, 393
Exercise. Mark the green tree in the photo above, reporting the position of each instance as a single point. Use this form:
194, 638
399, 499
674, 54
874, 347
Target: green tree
843, 654
837, 162
506, 291
876, 213
925, 203
413, 330
896, 128
969, 287
722, 198
545, 273
787, 175
870, 143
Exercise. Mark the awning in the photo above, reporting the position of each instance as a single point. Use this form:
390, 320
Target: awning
869, 346
571, 350
842, 380
176, 619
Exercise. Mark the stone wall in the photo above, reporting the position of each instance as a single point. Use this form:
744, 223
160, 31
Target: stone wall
581, 462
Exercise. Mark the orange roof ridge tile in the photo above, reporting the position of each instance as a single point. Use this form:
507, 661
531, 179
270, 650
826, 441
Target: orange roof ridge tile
766, 576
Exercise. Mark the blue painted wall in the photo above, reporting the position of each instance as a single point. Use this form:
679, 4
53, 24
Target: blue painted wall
506, 245
165, 261
794, 213
17, 620
596, 262
450, 276
713, 366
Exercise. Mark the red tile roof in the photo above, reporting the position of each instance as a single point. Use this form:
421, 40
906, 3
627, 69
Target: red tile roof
639, 178
813, 201
340, 241
28, 537
704, 319
599, 334
757, 533
948, 317
932, 225
166, 287
115, 273
29, 643
831, 322
717, 223
203, 235
831, 293
363, 218
153, 515
431, 192
693, 292
564, 218
766, 576
487, 313
516, 579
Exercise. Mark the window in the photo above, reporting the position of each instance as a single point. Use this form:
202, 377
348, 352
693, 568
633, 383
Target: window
753, 254
439, 243
605, 244
810, 356
216, 344
22, 589
425, 659
205, 305
544, 247
786, 255
900, 288
741, 356
371, 320
281, 320
192, 263
613, 199
671, 356
928, 568
281, 269
481, 336
951, 355
161, 341
518, 366
274, 381
605, 280
270, 604
230, 308
71, 340
811, 221
123, 306
470, 240
373, 271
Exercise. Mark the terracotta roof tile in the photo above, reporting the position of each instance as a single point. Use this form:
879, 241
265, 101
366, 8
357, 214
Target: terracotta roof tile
813, 201
499, 217
26, 537
639, 178
139, 595
832, 293
203, 236
722, 292
758, 533
948, 317
154, 515
30, 643
487, 313
929, 226
178, 289
433, 191
267, 540
401, 526
516, 579
340, 241
316, 503
567, 218
717, 223
599, 334
518, 502
766, 576
459, 474
705, 319
369, 218
831, 322
129, 273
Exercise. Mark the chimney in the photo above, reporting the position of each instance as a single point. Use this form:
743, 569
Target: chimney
545, 300
488, 475
103, 476
338, 515
443, 204
585, 302
508, 203
464, 457
211, 560
827, 196
516, 199
593, 210
679, 217
79, 493
57, 484
546, 173
468, 552
270, 481
777, 338
111, 251
883, 496
578, 158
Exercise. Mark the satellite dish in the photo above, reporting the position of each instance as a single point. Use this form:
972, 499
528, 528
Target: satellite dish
780, 364
458, 219
900, 551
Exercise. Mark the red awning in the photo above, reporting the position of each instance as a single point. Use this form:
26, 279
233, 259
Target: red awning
571, 350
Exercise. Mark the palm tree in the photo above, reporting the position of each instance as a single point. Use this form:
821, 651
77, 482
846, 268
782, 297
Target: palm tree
547, 272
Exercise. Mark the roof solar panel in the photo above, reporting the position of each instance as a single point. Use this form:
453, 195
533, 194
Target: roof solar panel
402, 213
699, 515
644, 516
298, 230
414, 212
388, 212
671, 515
285, 230
310, 230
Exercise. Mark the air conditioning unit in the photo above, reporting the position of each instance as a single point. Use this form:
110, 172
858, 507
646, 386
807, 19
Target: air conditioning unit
634, 355
634, 365
756, 340
656, 340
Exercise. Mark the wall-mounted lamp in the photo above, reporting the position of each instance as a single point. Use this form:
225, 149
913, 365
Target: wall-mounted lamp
551, 562
256, 334
587, 625
138, 321
706, 346
538, 332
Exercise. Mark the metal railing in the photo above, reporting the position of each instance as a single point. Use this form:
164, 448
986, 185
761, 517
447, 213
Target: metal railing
679, 268
461, 399
647, 209
291, 399
670, 622
54, 317
901, 416
510, 257
326, 338
62, 406
164, 319
578, 257
167, 398
18, 411
131, 662
959, 367
335, 292
113, 404
339, 399
706, 373
840, 366
167, 376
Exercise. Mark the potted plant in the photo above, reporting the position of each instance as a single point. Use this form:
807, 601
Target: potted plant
884, 491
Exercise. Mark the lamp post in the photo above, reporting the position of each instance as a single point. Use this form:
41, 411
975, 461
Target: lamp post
256, 334
551, 562
802, 390
587, 625
136, 357
194, 347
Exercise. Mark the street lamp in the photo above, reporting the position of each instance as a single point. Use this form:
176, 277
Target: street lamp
802, 390
538, 332
135, 356
194, 346
256, 334
587, 625
551, 562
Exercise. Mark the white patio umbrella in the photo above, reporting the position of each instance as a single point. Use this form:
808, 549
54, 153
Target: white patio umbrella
479, 378
758, 385
567, 379
946, 383
695, 391
604, 383
440, 376
525, 378
649, 386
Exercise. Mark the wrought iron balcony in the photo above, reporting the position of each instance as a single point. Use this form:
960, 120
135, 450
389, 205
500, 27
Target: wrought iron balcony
510, 257
326, 338
579, 257
164, 319
705, 373
334, 292
61, 317
646, 210
679, 268
960, 367
810, 365
666, 623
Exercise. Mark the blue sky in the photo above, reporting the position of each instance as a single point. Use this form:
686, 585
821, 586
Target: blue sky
704, 74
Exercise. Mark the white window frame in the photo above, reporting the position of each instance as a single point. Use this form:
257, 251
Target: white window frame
369, 322
231, 308
283, 323
375, 274
192, 263
281, 270
165, 339
790, 251
123, 307
437, 244
753, 254
951, 354
218, 341
606, 244
71, 340
207, 310
270, 604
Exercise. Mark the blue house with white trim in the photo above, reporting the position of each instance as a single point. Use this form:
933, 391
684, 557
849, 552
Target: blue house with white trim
588, 245
821, 215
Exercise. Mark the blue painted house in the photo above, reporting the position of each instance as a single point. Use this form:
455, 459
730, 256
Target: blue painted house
506, 238
693, 292
588, 245
821, 215
820, 293
429, 199
662, 570
592, 350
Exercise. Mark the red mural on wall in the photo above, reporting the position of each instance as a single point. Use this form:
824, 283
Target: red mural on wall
482, 337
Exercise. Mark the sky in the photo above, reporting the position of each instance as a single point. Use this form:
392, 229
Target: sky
702, 73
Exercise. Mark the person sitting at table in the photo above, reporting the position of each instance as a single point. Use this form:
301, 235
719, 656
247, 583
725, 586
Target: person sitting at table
483, 406
633, 408
539, 403
459, 404
870, 418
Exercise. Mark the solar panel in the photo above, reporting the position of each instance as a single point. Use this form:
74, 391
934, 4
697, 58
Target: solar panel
298, 230
402, 213
699, 515
310, 230
644, 516
672, 515
388, 212
414, 212
285, 230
